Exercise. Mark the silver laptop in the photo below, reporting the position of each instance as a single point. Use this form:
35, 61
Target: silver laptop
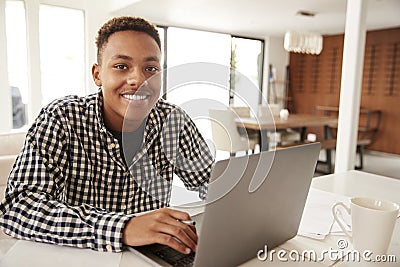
256, 200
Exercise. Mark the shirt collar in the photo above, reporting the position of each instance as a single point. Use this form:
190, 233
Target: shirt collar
153, 122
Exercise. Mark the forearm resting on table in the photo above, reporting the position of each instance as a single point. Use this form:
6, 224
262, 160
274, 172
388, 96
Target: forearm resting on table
50, 221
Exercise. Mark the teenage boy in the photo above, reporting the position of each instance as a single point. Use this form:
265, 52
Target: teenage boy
89, 164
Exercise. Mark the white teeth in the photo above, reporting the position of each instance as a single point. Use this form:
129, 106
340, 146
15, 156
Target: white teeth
135, 97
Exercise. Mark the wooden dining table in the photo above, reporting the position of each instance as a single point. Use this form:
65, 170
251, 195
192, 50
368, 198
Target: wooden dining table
299, 122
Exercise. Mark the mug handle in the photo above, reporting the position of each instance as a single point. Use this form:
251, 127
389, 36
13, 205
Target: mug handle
340, 221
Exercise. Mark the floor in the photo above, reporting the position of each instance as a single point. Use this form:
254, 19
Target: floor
378, 163
382, 164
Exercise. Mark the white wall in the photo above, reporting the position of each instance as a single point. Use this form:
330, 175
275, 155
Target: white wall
97, 13
278, 57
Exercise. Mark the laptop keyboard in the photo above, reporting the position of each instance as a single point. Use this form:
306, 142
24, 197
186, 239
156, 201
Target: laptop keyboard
172, 256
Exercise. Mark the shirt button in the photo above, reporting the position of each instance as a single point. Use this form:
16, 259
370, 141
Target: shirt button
109, 248
111, 146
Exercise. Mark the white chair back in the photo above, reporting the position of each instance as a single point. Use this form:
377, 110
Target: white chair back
224, 132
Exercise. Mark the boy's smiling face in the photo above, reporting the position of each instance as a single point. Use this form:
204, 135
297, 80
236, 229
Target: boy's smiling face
128, 60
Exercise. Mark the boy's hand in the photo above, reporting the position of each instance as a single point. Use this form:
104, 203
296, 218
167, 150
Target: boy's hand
162, 226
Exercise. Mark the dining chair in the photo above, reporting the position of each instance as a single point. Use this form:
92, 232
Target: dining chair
245, 112
225, 133
10, 146
282, 136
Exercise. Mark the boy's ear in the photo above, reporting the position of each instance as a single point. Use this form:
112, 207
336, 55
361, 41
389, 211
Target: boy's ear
96, 74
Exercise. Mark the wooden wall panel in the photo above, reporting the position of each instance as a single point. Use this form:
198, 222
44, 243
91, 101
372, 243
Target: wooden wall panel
315, 80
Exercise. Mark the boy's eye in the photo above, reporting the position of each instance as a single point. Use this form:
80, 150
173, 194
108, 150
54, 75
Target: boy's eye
152, 69
120, 67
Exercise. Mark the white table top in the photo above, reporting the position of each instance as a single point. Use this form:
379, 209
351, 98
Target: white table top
352, 183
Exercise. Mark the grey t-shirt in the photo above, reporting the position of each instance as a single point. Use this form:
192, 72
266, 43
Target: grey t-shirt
129, 142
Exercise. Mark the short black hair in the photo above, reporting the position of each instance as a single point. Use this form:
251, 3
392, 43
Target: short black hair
124, 23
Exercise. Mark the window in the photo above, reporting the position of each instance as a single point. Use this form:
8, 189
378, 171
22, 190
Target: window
191, 46
62, 62
247, 60
243, 55
61, 52
17, 60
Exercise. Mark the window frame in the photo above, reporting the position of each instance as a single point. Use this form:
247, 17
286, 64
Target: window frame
165, 61
34, 104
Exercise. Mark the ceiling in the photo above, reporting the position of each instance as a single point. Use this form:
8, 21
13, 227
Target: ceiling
259, 18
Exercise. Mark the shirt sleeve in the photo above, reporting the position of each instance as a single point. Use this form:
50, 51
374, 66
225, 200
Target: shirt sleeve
34, 207
194, 159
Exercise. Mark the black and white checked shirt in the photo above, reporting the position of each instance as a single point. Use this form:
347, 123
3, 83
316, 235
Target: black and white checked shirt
70, 186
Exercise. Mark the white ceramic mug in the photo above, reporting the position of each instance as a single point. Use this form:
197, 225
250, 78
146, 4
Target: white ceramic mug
372, 222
